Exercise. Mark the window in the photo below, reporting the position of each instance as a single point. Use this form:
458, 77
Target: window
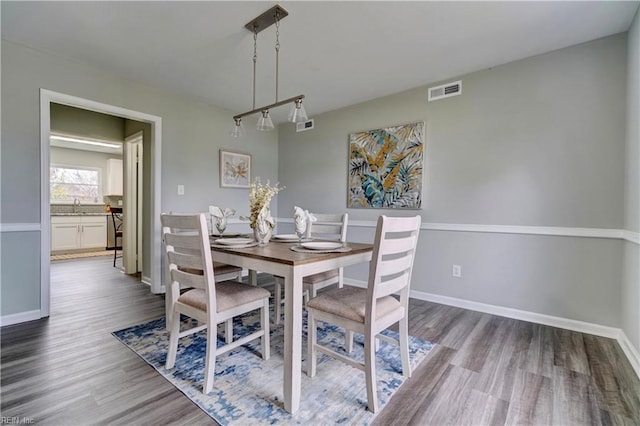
70, 182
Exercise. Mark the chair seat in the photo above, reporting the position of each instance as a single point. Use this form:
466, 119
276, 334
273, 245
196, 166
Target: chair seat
223, 268
350, 302
229, 294
218, 269
322, 276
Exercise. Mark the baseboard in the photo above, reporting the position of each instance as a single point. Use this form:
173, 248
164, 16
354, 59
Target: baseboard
146, 280
19, 317
553, 321
630, 351
584, 327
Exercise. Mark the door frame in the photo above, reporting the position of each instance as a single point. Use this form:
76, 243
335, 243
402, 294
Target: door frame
132, 238
47, 97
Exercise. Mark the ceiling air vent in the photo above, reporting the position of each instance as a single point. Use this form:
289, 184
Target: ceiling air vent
445, 91
305, 125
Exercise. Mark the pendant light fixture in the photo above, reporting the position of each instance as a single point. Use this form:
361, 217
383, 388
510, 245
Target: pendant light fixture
298, 113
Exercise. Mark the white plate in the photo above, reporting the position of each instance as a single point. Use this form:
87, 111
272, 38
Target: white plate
233, 241
225, 235
285, 237
321, 246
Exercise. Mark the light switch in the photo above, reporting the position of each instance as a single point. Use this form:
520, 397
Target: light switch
180, 189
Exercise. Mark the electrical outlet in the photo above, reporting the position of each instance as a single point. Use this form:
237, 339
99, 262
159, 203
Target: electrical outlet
456, 271
180, 189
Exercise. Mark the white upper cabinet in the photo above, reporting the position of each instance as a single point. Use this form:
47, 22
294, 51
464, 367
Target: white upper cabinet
114, 177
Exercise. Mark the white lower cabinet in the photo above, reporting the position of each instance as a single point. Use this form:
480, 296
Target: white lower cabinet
78, 232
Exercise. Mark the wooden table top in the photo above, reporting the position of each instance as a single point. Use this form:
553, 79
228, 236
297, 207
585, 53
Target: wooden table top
282, 253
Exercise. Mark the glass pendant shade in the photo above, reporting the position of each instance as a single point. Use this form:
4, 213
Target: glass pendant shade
264, 122
298, 114
238, 129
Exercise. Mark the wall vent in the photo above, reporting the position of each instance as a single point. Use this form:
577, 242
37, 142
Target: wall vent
304, 126
445, 91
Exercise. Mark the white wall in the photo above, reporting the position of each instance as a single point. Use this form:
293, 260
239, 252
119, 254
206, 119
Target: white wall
538, 142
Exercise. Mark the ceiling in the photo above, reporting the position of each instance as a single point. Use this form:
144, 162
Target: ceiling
336, 53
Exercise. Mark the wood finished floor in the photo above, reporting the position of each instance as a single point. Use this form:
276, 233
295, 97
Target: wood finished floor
484, 369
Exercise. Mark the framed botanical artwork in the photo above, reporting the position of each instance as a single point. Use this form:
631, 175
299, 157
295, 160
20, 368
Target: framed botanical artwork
385, 167
235, 169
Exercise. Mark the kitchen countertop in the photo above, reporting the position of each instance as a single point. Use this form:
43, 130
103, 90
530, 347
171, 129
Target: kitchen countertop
80, 214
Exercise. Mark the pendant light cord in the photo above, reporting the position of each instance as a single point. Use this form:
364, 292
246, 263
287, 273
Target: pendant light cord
255, 60
277, 50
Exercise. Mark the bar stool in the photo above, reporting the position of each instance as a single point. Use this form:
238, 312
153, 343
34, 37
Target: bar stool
116, 217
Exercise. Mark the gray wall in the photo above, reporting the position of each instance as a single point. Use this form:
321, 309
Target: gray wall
631, 282
537, 142
18, 293
82, 122
192, 134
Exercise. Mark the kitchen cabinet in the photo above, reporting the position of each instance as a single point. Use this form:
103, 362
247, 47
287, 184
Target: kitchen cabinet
78, 232
114, 177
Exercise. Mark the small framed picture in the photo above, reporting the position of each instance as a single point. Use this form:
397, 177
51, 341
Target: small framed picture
235, 169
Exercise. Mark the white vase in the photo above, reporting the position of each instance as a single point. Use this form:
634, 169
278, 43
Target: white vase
265, 240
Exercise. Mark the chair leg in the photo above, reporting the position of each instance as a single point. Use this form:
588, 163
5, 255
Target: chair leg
404, 346
210, 360
266, 338
173, 340
171, 297
228, 330
312, 338
370, 371
277, 295
349, 343
115, 253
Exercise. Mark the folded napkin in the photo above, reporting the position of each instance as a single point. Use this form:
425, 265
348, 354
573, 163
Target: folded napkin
302, 220
216, 211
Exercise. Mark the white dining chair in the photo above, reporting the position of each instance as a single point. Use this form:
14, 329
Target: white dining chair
211, 303
331, 227
222, 272
373, 309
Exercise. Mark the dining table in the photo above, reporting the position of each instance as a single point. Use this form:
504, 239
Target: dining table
279, 259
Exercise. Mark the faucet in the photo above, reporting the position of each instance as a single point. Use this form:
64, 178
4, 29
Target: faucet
76, 205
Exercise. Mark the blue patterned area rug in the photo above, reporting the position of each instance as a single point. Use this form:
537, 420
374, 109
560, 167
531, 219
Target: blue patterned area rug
249, 391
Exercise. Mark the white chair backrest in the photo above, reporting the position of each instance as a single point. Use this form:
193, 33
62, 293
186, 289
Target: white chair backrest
188, 251
393, 254
329, 227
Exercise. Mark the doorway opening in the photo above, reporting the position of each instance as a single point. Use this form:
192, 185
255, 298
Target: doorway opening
149, 229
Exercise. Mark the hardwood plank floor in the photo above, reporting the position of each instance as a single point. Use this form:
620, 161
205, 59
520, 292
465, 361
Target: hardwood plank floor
502, 371
484, 369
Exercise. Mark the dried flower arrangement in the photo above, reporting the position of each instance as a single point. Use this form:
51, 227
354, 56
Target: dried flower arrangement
259, 197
